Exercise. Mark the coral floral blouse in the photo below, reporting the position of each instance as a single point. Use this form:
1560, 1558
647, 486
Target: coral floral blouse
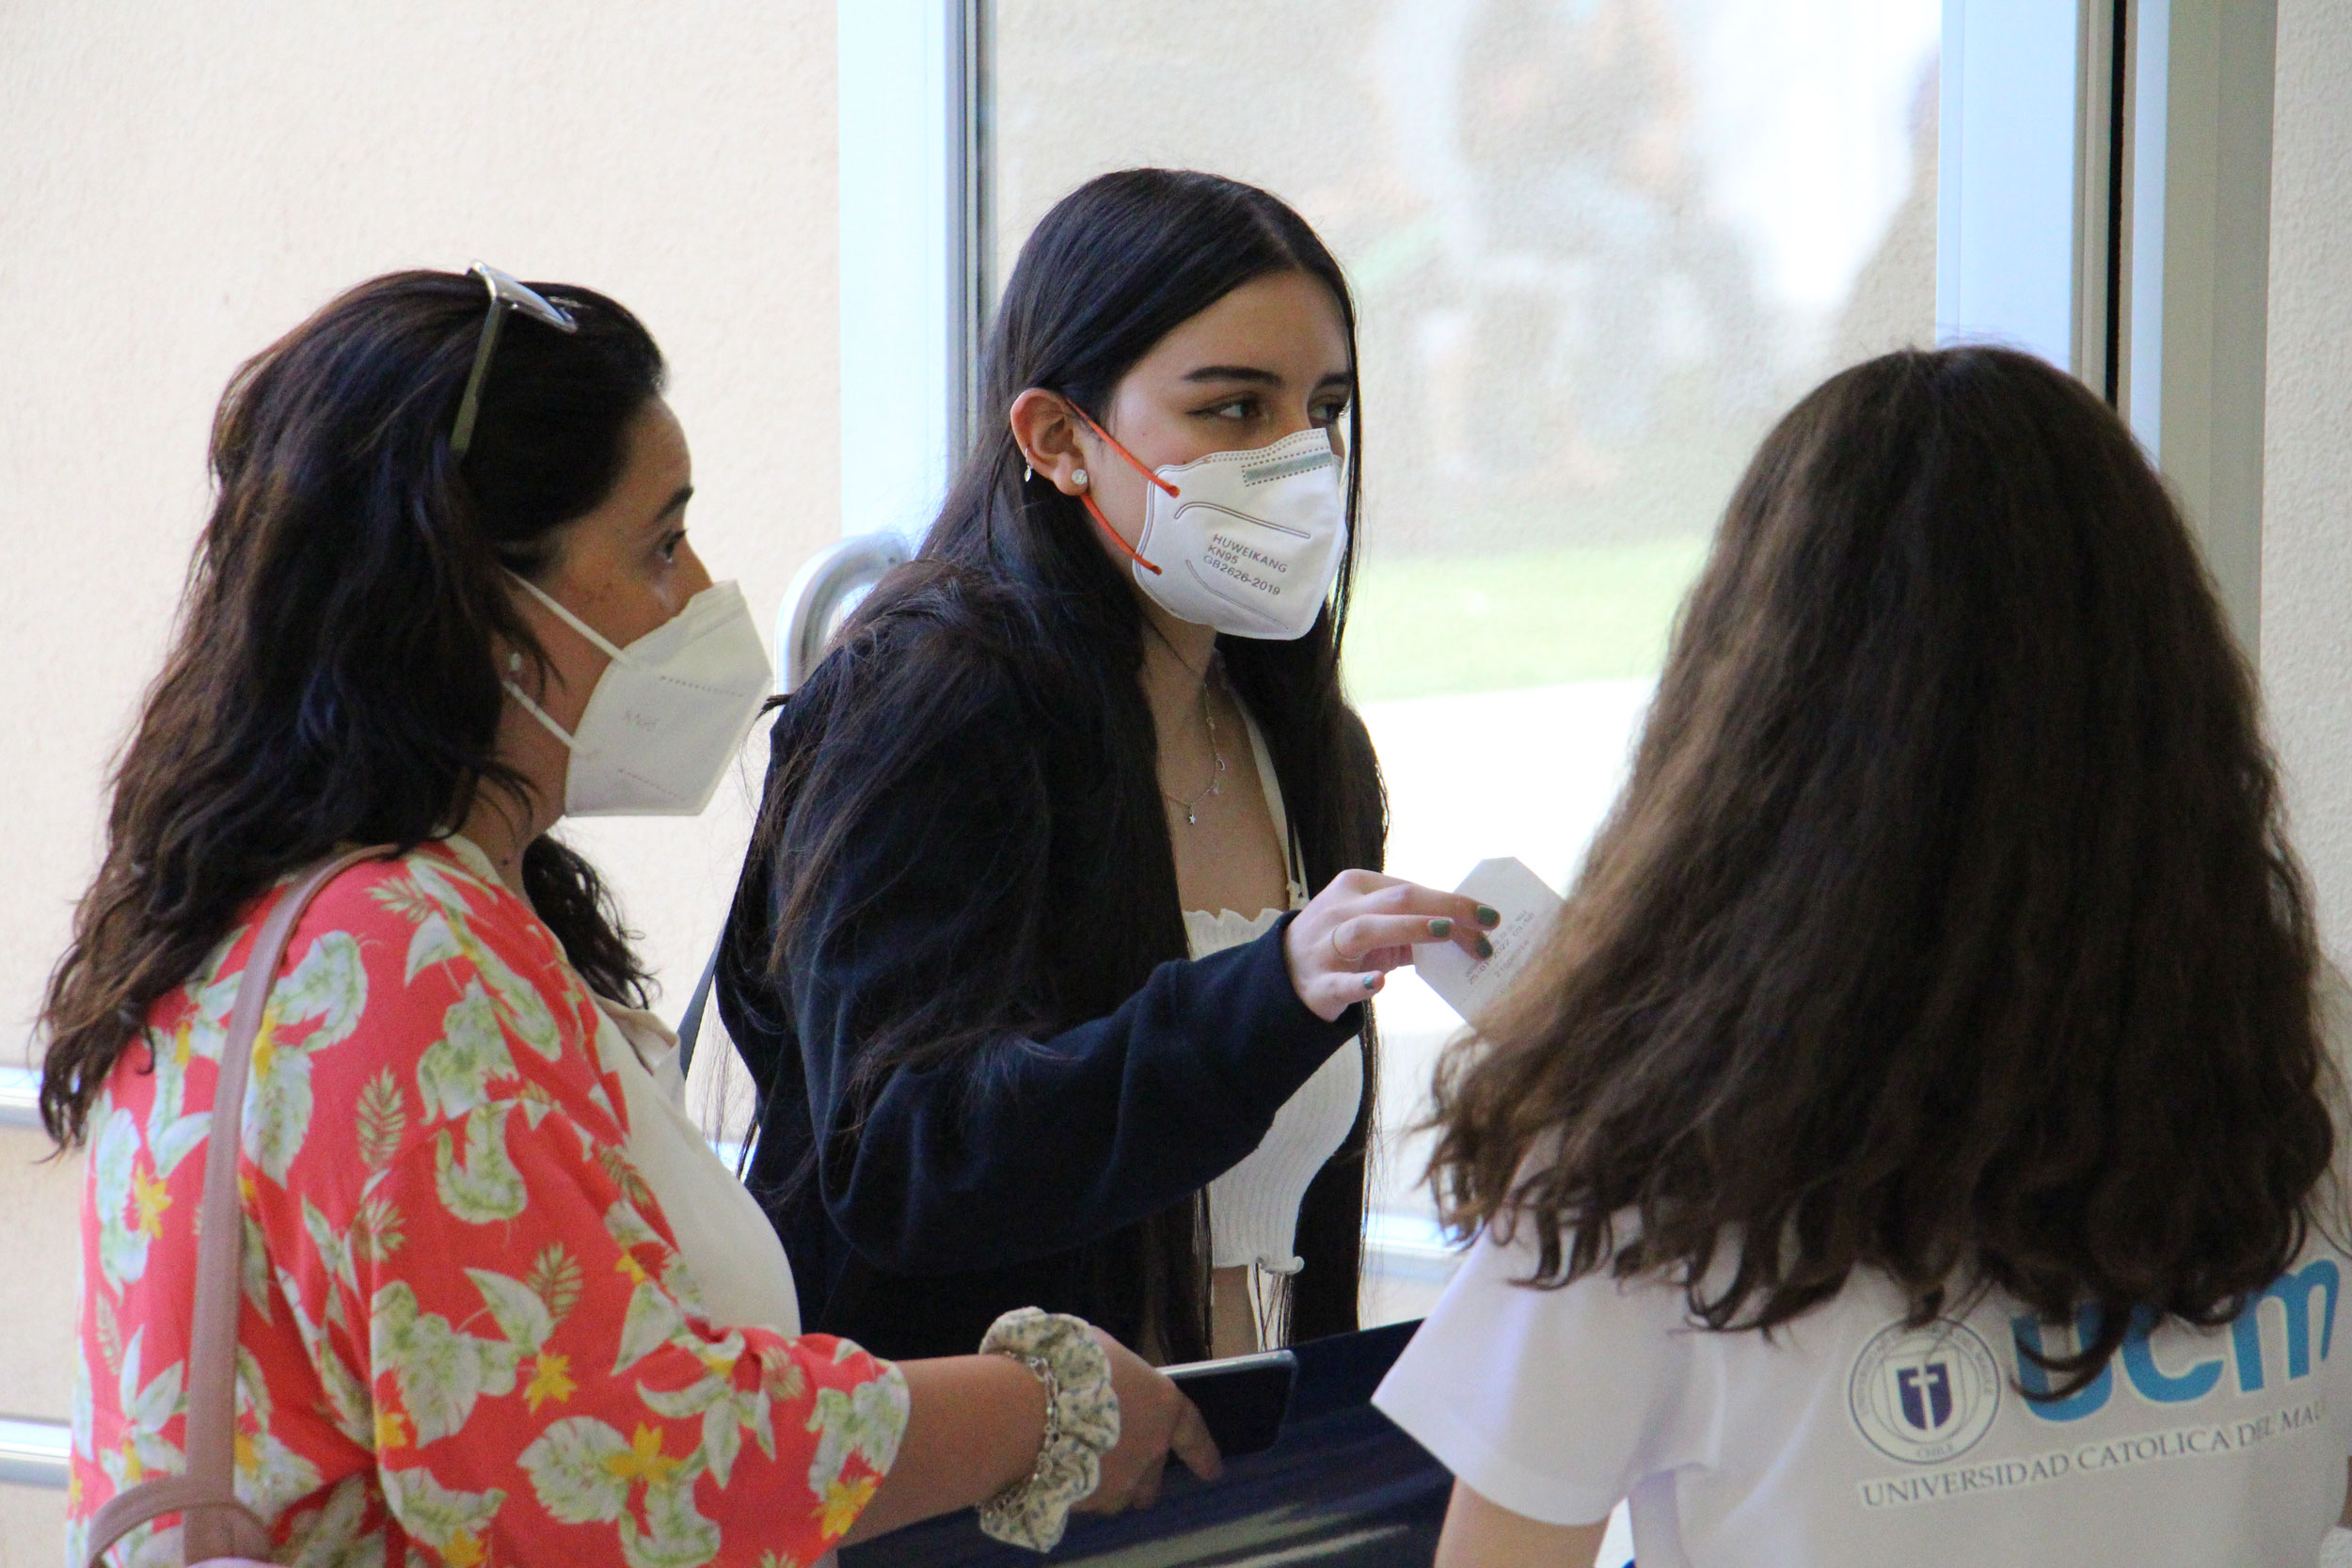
468, 1336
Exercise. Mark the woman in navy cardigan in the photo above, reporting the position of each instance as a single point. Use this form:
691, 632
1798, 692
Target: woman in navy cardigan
998, 1061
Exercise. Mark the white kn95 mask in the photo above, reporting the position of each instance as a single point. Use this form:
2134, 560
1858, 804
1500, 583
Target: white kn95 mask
1245, 542
668, 714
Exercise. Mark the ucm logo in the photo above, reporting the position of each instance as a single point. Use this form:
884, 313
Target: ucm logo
2296, 1296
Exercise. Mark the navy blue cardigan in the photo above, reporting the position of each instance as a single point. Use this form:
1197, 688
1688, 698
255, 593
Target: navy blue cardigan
1019, 1170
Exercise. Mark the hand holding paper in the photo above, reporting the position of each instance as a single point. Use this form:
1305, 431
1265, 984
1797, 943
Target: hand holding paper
1528, 907
1342, 945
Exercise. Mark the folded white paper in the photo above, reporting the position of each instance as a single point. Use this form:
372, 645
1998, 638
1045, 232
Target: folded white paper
1528, 907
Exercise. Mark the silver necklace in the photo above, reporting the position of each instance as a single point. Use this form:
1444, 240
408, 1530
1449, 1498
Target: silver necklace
1215, 786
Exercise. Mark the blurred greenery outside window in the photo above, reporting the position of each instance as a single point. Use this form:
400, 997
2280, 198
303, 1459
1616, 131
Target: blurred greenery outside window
1596, 244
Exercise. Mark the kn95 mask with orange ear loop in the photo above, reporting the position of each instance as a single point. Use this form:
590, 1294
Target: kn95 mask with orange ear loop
1245, 542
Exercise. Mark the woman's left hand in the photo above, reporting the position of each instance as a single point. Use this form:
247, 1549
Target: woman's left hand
1155, 1420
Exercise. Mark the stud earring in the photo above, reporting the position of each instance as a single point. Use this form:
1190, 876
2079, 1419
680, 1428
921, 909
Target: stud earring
1079, 478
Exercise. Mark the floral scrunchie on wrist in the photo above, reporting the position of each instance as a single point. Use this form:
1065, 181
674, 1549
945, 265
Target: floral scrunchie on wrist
1081, 1425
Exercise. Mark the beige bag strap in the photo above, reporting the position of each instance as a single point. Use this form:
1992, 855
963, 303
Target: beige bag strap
213, 1523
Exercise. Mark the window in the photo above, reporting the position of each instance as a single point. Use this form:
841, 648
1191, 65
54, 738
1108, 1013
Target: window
1597, 246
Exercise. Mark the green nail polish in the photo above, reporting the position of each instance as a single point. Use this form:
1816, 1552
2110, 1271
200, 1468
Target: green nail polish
1489, 918
1441, 927
1371, 982
1486, 948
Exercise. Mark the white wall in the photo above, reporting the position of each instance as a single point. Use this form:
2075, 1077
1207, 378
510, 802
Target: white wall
181, 181
2307, 522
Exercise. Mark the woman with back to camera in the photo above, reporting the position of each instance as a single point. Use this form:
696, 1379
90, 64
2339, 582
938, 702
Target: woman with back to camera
1915, 1146
1014, 963
500, 1303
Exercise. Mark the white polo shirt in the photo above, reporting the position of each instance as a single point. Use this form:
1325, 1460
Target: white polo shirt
1848, 1439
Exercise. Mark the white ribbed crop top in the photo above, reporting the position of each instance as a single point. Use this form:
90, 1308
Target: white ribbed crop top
1253, 1208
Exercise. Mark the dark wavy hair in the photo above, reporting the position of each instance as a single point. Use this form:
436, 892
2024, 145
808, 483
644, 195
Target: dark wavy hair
333, 680
1947, 926
1013, 571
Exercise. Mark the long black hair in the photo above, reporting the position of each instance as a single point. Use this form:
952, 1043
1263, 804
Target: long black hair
1947, 927
333, 680
1011, 573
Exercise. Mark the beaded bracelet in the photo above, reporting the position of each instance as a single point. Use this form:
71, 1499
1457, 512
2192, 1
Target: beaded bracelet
1081, 1425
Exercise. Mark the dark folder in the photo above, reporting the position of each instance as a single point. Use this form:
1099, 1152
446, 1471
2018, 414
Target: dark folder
1342, 1487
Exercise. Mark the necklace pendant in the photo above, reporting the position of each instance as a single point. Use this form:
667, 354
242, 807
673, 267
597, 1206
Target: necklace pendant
1191, 819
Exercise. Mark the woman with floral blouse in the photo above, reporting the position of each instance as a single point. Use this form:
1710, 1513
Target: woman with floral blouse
499, 1304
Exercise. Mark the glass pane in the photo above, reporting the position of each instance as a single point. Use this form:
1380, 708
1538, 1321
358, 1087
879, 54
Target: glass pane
1597, 246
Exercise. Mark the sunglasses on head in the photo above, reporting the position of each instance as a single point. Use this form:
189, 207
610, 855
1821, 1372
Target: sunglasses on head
506, 295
